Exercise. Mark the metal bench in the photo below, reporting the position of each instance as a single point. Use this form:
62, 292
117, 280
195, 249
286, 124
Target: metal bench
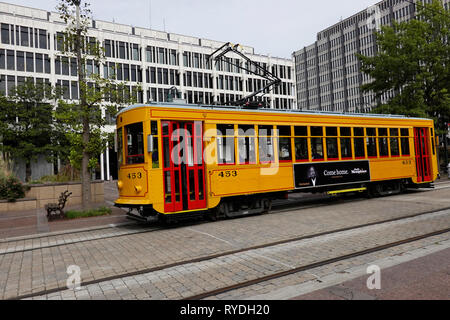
56, 209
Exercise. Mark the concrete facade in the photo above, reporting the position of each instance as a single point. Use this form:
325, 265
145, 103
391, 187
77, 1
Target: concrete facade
328, 74
154, 60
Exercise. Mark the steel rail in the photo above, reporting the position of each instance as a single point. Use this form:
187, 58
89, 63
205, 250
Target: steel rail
225, 253
313, 265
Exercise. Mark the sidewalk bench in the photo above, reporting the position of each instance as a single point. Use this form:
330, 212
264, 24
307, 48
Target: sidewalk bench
56, 209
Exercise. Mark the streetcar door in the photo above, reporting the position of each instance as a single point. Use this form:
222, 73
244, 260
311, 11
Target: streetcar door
194, 166
184, 178
171, 168
422, 150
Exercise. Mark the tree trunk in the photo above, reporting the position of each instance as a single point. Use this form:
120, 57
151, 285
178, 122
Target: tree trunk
85, 174
27, 171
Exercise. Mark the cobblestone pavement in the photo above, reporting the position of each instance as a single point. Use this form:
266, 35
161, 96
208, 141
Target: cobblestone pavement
33, 271
194, 278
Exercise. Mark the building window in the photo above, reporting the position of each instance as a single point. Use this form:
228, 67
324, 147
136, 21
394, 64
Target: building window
39, 63
30, 61
20, 61
5, 33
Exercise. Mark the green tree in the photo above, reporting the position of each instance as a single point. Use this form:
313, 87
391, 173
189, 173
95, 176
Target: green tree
83, 120
27, 124
413, 62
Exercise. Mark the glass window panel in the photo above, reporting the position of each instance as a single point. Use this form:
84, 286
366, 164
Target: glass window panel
346, 148
395, 148
371, 132
382, 132
331, 131
284, 149
332, 148
266, 149
405, 146
393, 132
317, 149
383, 146
316, 131
358, 132
371, 146
2, 59
284, 131
135, 143
5, 33
39, 63
346, 132
301, 149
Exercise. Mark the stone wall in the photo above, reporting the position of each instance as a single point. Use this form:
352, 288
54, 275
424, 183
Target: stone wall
39, 195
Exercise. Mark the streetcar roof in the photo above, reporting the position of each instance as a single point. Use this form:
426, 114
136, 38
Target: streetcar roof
176, 105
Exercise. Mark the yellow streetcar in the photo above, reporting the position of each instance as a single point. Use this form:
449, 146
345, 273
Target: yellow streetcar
176, 160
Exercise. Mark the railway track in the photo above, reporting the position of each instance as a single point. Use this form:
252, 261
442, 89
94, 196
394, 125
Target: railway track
269, 245
279, 207
313, 265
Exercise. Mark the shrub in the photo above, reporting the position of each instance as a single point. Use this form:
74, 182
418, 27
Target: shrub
11, 188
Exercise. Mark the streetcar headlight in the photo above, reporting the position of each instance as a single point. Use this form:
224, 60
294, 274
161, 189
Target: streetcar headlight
138, 189
119, 184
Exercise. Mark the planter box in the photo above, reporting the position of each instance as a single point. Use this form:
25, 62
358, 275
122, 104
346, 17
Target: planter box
41, 194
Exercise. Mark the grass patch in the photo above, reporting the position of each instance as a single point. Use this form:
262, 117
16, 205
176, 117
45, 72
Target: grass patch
102, 211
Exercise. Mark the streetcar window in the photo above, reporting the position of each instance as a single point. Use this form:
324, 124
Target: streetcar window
120, 146
316, 131
394, 142
246, 142
301, 149
301, 131
383, 142
346, 132
135, 143
284, 131
346, 143
358, 132
284, 143
317, 149
360, 150
332, 143
405, 142
225, 143
155, 153
371, 142
265, 140
432, 140
346, 148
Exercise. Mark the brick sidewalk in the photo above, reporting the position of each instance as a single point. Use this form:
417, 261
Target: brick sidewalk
41, 269
22, 223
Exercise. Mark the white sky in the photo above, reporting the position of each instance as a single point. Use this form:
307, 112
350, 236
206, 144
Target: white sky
275, 27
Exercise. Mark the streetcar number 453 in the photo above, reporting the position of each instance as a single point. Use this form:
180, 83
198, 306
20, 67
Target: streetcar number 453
227, 174
134, 175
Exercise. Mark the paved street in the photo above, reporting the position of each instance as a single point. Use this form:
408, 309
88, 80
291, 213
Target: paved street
131, 262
